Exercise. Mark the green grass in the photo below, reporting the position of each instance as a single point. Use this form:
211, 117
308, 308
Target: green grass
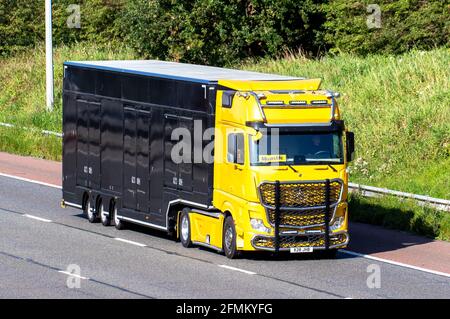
395, 213
398, 107
22, 84
34, 144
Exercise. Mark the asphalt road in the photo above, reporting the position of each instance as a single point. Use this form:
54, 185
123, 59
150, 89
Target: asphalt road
39, 240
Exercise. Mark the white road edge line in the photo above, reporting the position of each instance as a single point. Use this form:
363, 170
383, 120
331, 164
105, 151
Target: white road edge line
130, 242
30, 180
72, 275
434, 272
38, 218
238, 269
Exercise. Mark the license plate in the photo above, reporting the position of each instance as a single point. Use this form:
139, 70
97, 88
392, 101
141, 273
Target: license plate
297, 250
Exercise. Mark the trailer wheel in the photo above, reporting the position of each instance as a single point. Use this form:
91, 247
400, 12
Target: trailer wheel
119, 224
229, 238
90, 212
185, 228
105, 218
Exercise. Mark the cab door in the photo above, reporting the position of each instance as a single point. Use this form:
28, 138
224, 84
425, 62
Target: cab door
233, 166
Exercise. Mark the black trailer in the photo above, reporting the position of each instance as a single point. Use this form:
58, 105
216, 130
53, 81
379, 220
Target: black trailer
118, 117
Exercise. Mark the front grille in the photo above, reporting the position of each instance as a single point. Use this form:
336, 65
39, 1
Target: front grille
303, 218
287, 242
302, 204
304, 194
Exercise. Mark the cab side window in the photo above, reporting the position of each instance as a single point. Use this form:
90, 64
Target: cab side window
235, 149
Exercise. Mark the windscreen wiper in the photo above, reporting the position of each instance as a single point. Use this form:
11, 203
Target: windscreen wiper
292, 168
335, 170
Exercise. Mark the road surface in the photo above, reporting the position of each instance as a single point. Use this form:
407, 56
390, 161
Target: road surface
40, 240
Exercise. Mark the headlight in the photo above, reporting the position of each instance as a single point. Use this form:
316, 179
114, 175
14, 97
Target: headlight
258, 224
338, 222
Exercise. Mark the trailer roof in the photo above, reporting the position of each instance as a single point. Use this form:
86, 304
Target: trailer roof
179, 71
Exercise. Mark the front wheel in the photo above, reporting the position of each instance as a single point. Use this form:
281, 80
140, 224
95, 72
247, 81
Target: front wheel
185, 228
229, 238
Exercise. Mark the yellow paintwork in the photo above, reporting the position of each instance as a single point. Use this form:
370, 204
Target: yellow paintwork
235, 186
238, 85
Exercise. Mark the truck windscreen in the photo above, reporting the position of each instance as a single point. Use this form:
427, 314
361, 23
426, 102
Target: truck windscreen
297, 148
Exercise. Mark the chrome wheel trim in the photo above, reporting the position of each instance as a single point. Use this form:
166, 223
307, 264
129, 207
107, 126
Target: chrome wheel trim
90, 214
116, 219
103, 214
184, 227
228, 238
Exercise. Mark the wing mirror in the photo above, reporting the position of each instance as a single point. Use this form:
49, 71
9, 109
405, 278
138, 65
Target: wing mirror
350, 141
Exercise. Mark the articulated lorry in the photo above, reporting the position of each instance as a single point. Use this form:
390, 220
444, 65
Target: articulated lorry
227, 159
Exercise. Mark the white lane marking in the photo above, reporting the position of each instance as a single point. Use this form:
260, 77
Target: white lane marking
130, 242
245, 271
238, 269
434, 272
38, 218
30, 180
73, 275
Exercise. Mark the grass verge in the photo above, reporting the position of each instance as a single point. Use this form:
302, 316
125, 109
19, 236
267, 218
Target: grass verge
395, 213
398, 107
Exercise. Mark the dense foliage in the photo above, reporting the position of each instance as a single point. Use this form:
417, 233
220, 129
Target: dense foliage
219, 31
223, 31
22, 23
395, 26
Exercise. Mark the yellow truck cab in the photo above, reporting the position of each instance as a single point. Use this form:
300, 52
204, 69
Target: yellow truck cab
280, 177
228, 159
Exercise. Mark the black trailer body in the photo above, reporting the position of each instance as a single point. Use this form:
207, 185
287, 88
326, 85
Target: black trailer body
118, 117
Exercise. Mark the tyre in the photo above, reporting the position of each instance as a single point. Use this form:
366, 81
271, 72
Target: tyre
104, 216
119, 224
185, 228
229, 238
90, 213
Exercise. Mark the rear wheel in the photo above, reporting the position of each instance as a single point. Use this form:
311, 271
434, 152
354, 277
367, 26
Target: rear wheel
90, 212
229, 238
185, 228
119, 224
104, 216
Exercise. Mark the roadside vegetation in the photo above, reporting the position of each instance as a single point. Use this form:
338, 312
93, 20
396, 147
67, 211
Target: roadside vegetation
22, 97
401, 214
399, 109
394, 80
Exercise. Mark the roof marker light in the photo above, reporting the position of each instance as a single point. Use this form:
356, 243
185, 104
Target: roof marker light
298, 103
274, 103
319, 102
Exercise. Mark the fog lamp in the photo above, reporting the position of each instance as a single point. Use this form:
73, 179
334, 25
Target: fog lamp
258, 224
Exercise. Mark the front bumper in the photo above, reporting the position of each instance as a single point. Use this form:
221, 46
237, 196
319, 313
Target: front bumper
286, 242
